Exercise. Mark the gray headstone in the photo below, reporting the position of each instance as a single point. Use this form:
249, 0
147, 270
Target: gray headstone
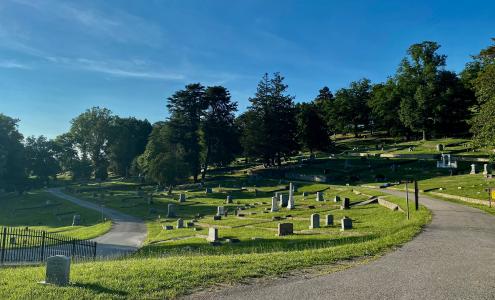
274, 205
208, 190
346, 223
315, 221
329, 220
171, 211
182, 198
319, 196
57, 270
284, 200
229, 199
285, 229
180, 223
168, 227
305, 194
220, 211
439, 147
291, 204
346, 204
336, 199
76, 220
212, 234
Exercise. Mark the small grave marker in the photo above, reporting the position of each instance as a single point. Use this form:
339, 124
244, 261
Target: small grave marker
170, 210
212, 234
180, 223
285, 229
229, 199
315, 221
329, 220
274, 207
336, 199
57, 270
182, 198
319, 196
345, 204
76, 220
346, 223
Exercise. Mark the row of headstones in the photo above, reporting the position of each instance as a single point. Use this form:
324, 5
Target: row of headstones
288, 228
182, 198
485, 169
180, 224
282, 201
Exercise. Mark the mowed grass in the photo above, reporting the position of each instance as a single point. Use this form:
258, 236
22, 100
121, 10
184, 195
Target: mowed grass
179, 261
41, 210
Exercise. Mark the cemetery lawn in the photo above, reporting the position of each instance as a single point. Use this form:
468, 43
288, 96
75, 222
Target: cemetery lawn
179, 261
41, 210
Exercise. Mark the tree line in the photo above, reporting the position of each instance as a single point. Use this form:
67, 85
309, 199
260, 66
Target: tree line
203, 128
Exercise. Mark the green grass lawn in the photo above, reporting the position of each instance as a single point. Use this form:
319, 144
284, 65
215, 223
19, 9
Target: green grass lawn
42, 211
176, 262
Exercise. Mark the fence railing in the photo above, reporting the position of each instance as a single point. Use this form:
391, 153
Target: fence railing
23, 245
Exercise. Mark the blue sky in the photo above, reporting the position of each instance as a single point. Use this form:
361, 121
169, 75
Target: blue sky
58, 58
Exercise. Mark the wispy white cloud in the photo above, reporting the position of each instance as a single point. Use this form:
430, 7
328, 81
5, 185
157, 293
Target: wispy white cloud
11, 64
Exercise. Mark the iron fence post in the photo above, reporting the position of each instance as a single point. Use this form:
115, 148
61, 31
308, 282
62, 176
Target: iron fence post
4, 240
43, 236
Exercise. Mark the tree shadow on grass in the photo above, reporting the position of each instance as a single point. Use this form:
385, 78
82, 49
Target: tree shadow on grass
100, 289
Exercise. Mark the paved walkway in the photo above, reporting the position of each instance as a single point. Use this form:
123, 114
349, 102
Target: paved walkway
454, 258
126, 235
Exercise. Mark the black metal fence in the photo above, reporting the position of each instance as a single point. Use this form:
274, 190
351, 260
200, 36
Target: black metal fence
23, 245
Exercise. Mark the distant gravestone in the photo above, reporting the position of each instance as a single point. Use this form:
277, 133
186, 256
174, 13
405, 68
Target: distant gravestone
291, 204
305, 194
319, 196
345, 204
336, 199
212, 234
284, 200
76, 220
329, 220
285, 229
315, 221
57, 270
473, 169
168, 227
220, 211
182, 198
171, 211
439, 147
180, 223
277, 195
485, 169
229, 199
208, 191
346, 223
217, 218
274, 207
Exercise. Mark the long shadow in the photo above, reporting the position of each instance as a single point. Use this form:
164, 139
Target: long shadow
99, 289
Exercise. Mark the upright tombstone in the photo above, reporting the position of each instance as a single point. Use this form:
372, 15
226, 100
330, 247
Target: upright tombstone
274, 205
170, 210
305, 194
284, 200
212, 234
439, 147
314, 221
473, 169
277, 195
180, 223
346, 223
346, 204
291, 204
285, 229
485, 169
319, 196
76, 220
220, 211
329, 220
182, 197
57, 270
229, 199
336, 199
208, 190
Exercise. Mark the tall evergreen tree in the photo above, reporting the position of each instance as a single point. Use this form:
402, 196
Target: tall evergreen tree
312, 129
185, 108
12, 159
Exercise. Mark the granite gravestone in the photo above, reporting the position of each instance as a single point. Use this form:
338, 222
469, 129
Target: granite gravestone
274, 207
57, 270
170, 211
329, 220
285, 229
346, 223
212, 234
315, 221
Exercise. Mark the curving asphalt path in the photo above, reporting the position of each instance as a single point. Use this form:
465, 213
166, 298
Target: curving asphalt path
126, 235
453, 258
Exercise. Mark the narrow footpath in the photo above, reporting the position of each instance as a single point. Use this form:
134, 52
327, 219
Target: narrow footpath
126, 235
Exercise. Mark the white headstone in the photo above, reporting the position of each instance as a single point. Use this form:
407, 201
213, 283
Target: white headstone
319, 196
291, 204
220, 211
485, 169
473, 169
57, 270
212, 234
274, 205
